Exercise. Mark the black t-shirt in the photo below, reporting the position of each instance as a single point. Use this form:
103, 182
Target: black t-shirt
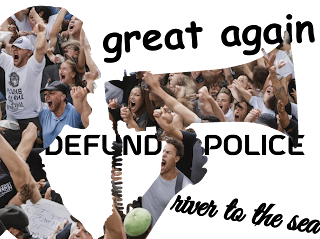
185, 163
7, 189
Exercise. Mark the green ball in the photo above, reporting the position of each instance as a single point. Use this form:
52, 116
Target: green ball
137, 222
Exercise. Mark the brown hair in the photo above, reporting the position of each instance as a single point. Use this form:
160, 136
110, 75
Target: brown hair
178, 145
260, 75
77, 78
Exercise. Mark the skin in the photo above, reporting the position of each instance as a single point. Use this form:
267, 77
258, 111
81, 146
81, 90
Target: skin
136, 102
214, 89
240, 112
74, 27
66, 74
80, 233
169, 160
20, 56
223, 101
55, 102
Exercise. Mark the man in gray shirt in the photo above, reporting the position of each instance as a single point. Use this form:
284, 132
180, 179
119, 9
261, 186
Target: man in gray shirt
169, 182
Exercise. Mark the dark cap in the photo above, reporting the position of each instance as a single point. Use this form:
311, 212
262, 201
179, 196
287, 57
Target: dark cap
57, 86
13, 216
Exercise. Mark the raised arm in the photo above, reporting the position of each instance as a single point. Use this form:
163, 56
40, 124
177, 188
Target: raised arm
19, 15
279, 90
216, 110
54, 32
164, 120
56, 27
169, 101
40, 31
243, 92
81, 63
80, 103
19, 170
113, 227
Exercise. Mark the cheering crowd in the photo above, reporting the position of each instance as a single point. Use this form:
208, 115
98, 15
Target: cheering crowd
262, 91
46, 72
252, 92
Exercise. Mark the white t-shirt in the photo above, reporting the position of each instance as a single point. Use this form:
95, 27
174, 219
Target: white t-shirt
22, 87
229, 116
24, 25
257, 103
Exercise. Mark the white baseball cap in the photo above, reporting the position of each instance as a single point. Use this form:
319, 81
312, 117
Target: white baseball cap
23, 43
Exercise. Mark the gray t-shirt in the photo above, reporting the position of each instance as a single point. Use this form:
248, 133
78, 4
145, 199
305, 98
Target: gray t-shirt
159, 195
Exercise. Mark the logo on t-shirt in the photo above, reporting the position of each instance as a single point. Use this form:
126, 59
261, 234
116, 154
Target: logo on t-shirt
14, 79
5, 188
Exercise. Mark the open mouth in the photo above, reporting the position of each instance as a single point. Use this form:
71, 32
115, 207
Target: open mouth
163, 163
49, 103
220, 106
62, 77
15, 56
237, 118
133, 105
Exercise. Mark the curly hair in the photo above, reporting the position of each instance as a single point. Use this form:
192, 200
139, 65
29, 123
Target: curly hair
178, 145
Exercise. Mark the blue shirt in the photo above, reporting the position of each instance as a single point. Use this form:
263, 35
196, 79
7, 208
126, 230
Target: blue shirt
52, 125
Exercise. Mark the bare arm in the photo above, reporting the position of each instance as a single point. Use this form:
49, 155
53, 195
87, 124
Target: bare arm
80, 103
82, 55
279, 90
18, 168
228, 76
113, 227
169, 101
41, 43
216, 110
56, 27
244, 93
19, 15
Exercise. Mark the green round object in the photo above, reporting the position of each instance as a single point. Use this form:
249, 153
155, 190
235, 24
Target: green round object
137, 222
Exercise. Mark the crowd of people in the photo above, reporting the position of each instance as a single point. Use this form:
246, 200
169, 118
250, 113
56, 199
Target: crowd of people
46, 73
242, 93
262, 91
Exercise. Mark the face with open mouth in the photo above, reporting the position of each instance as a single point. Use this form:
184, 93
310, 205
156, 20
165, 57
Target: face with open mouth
240, 112
169, 158
66, 73
214, 89
135, 100
74, 26
223, 101
53, 99
20, 56
268, 93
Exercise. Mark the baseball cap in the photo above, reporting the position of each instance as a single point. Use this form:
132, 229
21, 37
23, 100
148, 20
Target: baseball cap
23, 43
57, 86
137, 222
13, 216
